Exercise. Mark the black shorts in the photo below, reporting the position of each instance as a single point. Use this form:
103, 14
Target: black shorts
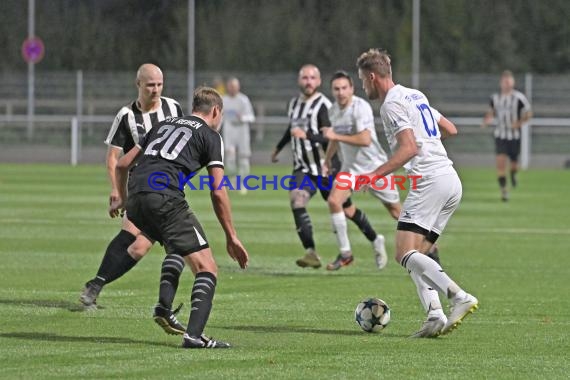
512, 148
168, 220
312, 183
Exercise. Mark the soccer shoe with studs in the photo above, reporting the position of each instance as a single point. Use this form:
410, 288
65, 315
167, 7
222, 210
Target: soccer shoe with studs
340, 262
203, 342
459, 310
309, 260
88, 297
166, 319
431, 327
380, 252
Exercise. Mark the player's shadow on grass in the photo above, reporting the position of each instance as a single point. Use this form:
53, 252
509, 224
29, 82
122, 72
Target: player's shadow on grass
57, 304
301, 330
51, 337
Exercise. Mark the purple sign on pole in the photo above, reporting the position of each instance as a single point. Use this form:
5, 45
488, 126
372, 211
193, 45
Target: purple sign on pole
33, 50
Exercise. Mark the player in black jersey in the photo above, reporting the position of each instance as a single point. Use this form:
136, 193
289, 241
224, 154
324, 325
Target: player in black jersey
132, 122
308, 114
170, 154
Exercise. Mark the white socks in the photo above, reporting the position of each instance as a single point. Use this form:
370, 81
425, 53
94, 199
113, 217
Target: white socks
339, 228
428, 295
431, 273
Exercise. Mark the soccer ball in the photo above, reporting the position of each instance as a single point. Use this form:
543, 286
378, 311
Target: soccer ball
372, 314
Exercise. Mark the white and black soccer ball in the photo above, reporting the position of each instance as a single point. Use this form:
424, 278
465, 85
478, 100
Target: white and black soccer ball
372, 314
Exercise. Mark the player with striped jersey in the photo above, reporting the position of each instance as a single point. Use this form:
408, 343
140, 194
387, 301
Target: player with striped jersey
309, 114
130, 125
511, 110
414, 130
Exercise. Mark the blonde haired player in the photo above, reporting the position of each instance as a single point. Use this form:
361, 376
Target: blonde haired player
413, 131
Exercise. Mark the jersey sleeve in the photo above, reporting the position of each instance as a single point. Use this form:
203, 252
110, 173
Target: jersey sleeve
179, 111
523, 105
119, 134
435, 113
364, 117
323, 119
248, 114
215, 150
395, 117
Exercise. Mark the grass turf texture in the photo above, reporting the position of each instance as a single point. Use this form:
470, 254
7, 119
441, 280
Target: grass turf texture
284, 322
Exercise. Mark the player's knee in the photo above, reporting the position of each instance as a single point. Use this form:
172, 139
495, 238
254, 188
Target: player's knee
139, 248
299, 198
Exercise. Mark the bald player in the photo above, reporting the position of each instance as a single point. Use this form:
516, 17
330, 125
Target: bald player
131, 124
308, 116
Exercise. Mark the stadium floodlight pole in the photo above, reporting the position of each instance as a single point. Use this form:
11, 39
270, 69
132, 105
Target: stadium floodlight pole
31, 71
416, 44
191, 41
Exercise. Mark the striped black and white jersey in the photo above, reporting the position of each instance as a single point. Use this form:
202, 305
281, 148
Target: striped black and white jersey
130, 124
509, 108
311, 115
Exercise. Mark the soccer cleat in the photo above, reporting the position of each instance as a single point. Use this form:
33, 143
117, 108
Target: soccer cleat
89, 295
167, 320
309, 260
340, 262
380, 252
203, 342
504, 196
459, 310
431, 327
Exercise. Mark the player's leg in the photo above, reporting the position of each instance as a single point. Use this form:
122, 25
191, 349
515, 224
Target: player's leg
501, 163
180, 231
244, 154
388, 194
299, 198
336, 199
122, 254
205, 270
513, 153
432, 207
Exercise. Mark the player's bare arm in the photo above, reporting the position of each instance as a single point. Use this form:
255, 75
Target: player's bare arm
113, 155
222, 208
332, 148
524, 118
407, 149
122, 175
362, 138
298, 133
446, 127
489, 115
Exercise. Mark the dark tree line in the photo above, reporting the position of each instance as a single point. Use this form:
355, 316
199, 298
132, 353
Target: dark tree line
258, 35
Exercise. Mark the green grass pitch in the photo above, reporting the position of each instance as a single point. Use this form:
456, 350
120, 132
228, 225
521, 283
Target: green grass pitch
284, 322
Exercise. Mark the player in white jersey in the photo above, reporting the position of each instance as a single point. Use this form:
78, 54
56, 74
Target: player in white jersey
238, 114
354, 134
413, 131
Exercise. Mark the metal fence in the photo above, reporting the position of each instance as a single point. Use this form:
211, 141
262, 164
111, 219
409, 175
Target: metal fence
74, 112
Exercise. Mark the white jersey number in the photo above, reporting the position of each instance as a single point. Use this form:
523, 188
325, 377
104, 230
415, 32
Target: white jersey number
168, 152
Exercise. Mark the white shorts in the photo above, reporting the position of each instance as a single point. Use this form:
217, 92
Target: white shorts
236, 139
432, 202
384, 190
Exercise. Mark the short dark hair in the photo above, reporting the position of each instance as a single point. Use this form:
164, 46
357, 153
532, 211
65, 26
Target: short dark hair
342, 74
206, 98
